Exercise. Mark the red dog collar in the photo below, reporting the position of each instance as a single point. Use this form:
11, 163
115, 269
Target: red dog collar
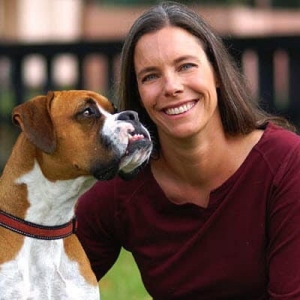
37, 231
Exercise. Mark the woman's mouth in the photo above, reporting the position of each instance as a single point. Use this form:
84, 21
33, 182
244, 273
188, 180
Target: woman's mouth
180, 109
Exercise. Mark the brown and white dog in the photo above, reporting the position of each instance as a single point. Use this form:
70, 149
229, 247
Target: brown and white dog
69, 139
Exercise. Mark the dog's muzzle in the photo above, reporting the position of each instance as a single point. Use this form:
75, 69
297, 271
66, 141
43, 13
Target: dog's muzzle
139, 138
129, 140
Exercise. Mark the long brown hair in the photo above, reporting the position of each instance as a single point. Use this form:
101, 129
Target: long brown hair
240, 114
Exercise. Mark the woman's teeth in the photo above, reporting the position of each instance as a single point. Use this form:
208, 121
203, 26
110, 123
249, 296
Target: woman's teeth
180, 109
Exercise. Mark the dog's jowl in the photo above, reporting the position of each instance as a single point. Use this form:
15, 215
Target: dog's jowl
68, 140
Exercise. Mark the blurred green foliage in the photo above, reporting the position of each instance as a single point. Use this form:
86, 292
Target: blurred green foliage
123, 281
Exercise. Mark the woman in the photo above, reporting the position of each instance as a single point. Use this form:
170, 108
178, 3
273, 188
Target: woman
215, 214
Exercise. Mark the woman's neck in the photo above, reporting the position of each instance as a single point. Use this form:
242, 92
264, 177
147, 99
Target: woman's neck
198, 167
193, 159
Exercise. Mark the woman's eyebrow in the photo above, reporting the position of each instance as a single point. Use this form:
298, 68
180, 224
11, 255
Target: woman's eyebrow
185, 57
176, 61
146, 70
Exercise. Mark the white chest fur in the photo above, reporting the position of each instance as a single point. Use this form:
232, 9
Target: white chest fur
52, 202
42, 271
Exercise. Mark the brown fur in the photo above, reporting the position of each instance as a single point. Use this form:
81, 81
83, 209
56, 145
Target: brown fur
47, 122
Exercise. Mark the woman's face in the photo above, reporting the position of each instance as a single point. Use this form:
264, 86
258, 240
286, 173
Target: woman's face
176, 82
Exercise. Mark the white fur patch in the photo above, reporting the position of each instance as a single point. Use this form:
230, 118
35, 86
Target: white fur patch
42, 270
117, 132
52, 203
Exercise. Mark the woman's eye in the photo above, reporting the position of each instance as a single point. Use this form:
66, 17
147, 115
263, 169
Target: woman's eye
187, 66
149, 77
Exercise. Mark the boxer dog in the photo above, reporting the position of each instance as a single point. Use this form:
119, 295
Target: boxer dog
69, 139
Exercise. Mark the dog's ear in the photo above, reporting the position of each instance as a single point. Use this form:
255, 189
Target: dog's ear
35, 121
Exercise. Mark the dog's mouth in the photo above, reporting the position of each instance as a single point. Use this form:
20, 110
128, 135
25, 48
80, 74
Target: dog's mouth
137, 141
137, 153
128, 144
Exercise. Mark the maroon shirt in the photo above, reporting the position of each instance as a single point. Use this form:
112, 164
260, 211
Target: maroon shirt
244, 245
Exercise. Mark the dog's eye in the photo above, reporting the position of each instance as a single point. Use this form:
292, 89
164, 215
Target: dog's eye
89, 112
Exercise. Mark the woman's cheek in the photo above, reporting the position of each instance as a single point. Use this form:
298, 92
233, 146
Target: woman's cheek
148, 97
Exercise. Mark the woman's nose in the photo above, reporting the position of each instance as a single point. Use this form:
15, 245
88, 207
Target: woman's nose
173, 85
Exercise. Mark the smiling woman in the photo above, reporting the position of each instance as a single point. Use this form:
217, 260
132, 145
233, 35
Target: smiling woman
176, 83
214, 214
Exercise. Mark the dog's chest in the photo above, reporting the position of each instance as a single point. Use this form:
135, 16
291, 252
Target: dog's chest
43, 271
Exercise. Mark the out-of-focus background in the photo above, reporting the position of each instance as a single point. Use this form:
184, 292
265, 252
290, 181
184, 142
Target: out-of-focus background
75, 44
64, 44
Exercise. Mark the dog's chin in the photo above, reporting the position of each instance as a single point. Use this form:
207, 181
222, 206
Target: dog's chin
106, 171
143, 144
137, 155
130, 175
128, 165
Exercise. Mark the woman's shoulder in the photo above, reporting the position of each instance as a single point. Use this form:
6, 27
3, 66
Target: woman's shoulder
279, 148
278, 139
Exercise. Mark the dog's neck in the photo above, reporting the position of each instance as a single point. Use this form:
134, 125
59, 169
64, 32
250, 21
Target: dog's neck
30, 195
52, 203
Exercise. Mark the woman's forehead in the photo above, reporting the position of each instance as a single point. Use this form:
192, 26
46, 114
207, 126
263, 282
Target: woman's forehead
167, 43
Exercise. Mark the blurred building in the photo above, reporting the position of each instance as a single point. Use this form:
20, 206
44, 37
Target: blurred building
66, 20
40, 20
114, 21
30, 21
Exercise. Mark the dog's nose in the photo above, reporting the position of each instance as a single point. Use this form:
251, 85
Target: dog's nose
128, 115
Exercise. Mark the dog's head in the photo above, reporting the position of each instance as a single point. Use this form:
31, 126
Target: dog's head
77, 133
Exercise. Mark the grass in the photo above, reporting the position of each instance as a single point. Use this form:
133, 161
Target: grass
123, 281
